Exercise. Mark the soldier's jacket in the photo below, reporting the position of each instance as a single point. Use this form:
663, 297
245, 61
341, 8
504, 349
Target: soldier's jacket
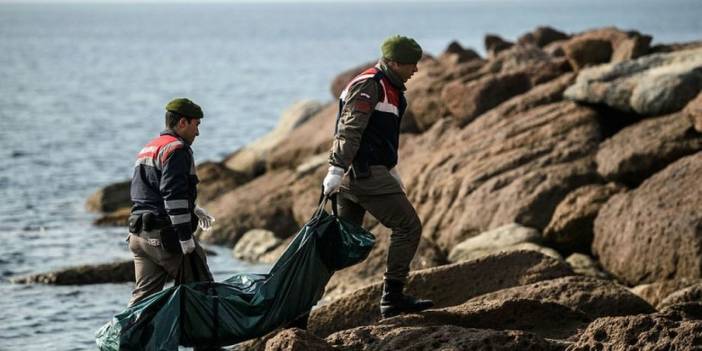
370, 112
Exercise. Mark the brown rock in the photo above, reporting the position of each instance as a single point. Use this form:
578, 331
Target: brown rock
684, 311
638, 234
504, 167
116, 272
256, 245
340, 81
110, 198
694, 112
542, 36
585, 265
494, 44
424, 105
265, 203
447, 285
672, 47
439, 337
641, 332
570, 228
116, 218
656, 292
467, 101
583, 52
594, 297
691, 293
555, 49
455, 54
642, 149
544, 318
312, 138
215, 180
296, 340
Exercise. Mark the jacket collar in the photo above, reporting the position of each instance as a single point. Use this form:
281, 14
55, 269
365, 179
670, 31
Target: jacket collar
172, 132
394, 79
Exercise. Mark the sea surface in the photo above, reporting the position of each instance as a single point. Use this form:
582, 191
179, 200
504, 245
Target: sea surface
82, 88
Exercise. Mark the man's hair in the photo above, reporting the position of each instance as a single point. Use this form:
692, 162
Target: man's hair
172, 119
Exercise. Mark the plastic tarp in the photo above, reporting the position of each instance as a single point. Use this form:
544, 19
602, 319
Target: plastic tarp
246, 305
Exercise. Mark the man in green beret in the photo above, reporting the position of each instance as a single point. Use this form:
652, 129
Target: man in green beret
164, 215
363, 160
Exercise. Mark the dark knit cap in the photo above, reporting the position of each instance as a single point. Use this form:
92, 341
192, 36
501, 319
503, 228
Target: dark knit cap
185, 108
401, 49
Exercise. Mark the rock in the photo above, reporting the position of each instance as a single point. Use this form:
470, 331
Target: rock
544, 318
584, 52
638, 234
312, 138
116, 218
691, 293
541, 36
493, 241
683, 311
555, 49
438, 337
251, 160
605, 45
651, 85
447, 285
538, 65
467, 101
255, 244
656, 292
340, 81
312, 164
642, 149
694, 111
215, 180
424, 105
115, 272
455, 54
494, 44
585, 265
570, 228
263, 203
506, 166
671, 47
110, 198
594, 297
296, 340
641, 332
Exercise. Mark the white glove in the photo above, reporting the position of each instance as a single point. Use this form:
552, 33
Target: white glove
396, 175
205, 220
187, 246
332, 181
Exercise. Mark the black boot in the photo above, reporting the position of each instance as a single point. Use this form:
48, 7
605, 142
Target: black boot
394, 302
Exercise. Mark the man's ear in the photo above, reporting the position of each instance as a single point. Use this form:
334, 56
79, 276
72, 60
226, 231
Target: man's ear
182, 122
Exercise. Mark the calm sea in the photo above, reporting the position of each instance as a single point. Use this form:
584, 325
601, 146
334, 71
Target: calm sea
82, 88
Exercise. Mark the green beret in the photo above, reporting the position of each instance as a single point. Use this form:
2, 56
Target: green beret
185, 108
401, 49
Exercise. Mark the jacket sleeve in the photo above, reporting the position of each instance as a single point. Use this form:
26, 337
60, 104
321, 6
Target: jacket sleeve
355, 114
175, 190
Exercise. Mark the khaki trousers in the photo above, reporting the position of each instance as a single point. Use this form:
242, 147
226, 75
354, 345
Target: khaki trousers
153, 265
395, 212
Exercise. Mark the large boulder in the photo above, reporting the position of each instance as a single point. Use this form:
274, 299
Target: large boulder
594, 297
639, 234
570, 228
651, 85
640, 332
447, 285
110, 198
656, 292
692, 293
506, 166
436, 337
542, 36
694, 111
311, 138
215, 180
494, 44
115, 272
256, 245
585, 265
544, 318
642, 149
251, 160
584, 52
455, 54
605, 45
296, 340
493, 241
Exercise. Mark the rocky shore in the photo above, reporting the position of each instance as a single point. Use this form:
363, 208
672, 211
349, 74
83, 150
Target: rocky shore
556, 179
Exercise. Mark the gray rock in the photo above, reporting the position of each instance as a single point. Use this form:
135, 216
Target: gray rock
494, 241
255, 244
116, 272
650, 85
587, 266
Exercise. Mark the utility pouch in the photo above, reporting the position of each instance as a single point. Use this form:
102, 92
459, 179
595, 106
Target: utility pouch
135, 223
360, 170
169, 240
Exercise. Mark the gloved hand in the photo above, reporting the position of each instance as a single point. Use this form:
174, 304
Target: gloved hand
332, 181
187, 246
396, 175
205, 220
